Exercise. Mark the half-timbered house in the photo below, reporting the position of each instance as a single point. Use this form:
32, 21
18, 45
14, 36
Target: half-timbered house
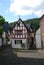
21, 35
18, 36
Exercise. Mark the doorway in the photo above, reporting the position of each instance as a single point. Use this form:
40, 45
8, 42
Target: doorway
32, 44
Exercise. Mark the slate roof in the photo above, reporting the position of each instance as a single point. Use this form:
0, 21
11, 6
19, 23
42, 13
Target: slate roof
6, 27
29, 26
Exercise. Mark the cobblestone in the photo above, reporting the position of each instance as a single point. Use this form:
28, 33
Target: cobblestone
14, 60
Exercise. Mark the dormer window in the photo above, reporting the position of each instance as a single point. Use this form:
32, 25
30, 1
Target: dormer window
18, 24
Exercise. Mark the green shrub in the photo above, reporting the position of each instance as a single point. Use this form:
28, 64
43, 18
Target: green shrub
23, 45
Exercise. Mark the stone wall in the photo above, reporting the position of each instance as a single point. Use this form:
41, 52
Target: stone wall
42, 29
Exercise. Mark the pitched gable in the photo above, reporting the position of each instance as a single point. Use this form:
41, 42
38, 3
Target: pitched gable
20, 30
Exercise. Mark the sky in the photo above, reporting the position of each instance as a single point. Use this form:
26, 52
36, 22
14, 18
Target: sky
11, 10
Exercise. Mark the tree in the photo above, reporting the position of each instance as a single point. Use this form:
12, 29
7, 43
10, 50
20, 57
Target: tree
2, 20
1, 31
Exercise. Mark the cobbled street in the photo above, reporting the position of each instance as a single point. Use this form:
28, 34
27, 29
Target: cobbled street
19, 58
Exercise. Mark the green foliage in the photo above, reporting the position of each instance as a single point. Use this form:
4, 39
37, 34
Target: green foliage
34, 22
13, 23
1, 31
42, 47
2, 20
23, 45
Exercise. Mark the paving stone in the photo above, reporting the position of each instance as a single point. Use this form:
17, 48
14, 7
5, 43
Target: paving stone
14, 60
8, 58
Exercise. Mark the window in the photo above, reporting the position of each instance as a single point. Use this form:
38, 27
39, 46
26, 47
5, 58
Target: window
20, 36
15, 41
18, 24
15, 36
21, 41
23, 36
18, 41
18, 32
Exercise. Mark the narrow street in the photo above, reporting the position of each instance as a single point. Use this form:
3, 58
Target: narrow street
21, 58
14, 60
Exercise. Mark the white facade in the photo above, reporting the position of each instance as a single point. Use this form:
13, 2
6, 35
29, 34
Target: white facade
20, 35
4, 35
18, 44
38, 38
4, 38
